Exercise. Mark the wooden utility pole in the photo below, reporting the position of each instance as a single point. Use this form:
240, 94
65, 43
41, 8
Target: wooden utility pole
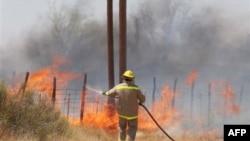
110, 44
122, 35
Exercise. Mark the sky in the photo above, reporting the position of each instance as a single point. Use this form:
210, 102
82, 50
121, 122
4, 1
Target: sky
18, 16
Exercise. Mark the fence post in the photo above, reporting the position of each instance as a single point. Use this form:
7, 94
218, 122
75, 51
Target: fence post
154, 89
83, 96
241, 94
25, 82
97, 104
54, 92
174, 92
192, 98
209, 103
201, 104
68, 105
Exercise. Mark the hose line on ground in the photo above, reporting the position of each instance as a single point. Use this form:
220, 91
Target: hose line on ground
157, 123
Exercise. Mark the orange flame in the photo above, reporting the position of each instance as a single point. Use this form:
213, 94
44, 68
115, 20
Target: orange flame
106, 120
98, 119
161, 111
103, 119
230, 106
42, 80
227, 93
193, 76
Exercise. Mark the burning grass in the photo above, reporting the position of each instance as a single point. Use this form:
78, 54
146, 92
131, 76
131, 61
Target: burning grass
29, 117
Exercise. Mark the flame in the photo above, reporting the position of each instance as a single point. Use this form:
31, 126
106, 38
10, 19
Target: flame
224, 90
160, 109
100, 115
42, 80
229, 95
193, 76
105, 119
102, 119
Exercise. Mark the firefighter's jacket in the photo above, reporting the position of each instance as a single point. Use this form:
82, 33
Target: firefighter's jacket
129, 96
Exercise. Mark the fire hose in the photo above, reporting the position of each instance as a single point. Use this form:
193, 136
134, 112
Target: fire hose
157, 122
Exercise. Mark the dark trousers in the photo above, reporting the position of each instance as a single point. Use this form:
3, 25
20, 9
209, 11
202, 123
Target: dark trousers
132, 129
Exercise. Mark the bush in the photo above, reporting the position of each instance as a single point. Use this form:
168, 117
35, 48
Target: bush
3, 96
28, 114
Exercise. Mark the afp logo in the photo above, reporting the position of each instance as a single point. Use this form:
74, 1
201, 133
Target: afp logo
236, 132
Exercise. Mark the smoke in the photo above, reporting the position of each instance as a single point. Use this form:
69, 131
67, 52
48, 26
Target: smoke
165, 39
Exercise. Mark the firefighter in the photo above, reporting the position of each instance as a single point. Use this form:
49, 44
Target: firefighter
129, 97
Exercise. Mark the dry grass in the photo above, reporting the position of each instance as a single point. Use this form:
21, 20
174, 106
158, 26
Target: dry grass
91, 134
24, 117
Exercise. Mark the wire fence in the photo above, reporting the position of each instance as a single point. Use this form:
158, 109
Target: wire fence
69, 101
202, 104
208, 105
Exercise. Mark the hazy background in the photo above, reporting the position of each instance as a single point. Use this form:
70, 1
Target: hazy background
166, 39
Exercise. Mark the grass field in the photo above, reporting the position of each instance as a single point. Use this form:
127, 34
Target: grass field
100, 135
93, 134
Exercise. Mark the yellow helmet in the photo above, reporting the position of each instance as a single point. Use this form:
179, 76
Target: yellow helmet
128, 74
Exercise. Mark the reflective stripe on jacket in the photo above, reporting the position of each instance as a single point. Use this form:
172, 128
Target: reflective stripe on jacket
129, 95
